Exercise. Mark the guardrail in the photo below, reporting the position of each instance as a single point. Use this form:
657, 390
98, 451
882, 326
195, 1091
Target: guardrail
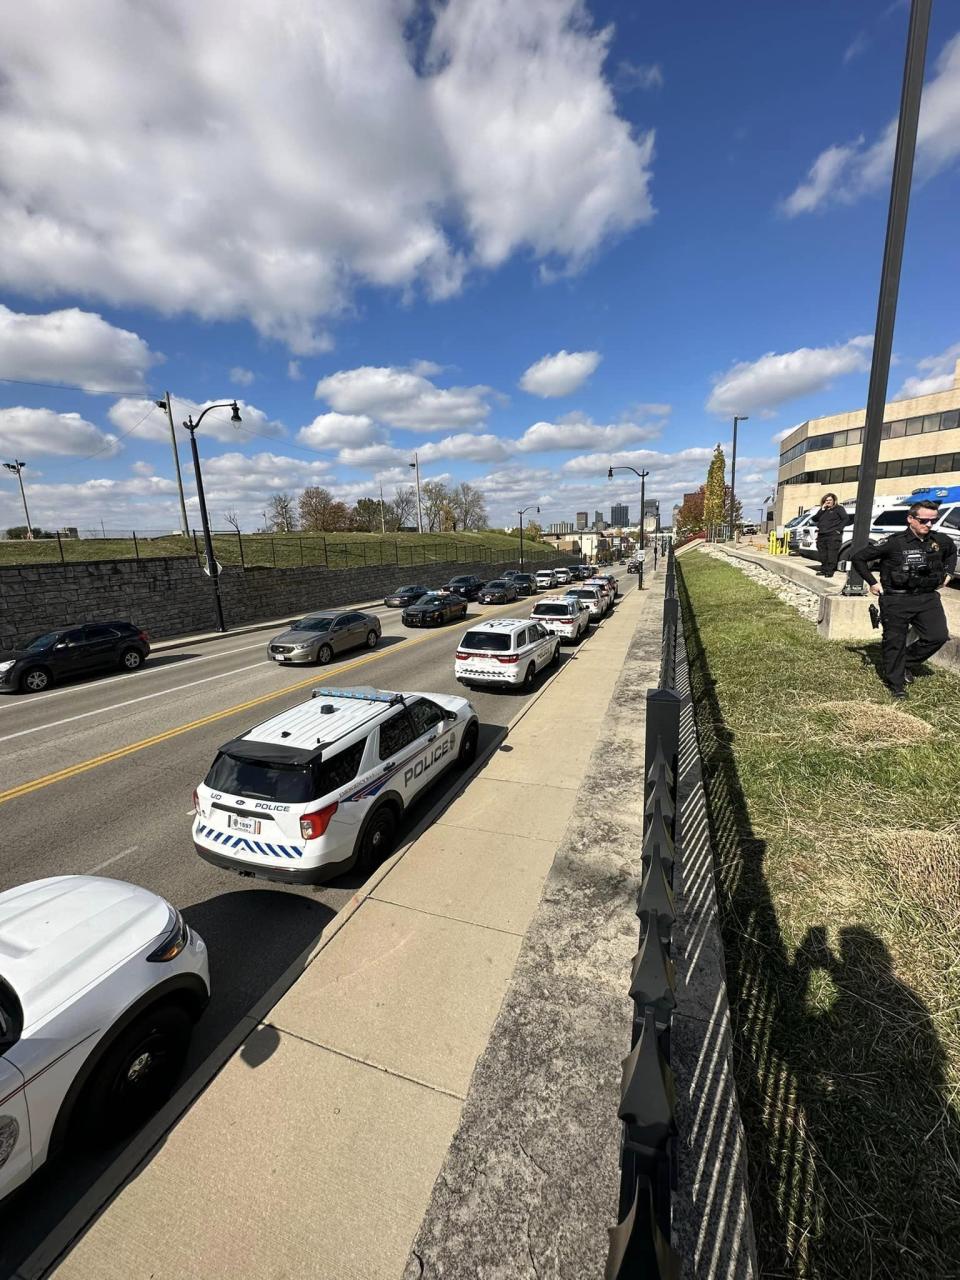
640, 1244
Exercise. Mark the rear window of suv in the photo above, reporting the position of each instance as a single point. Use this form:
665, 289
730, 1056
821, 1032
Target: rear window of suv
285, 784
892, 519
496, 641
551, 611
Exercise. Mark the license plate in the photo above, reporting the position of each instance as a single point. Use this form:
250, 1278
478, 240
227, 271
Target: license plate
281, 657
238, 822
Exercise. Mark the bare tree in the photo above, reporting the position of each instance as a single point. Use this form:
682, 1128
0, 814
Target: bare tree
404, 505
321, 512
281, 514
435, 497
469, 507
233, 519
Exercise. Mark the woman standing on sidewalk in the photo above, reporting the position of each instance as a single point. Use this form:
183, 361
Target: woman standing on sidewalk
830, 521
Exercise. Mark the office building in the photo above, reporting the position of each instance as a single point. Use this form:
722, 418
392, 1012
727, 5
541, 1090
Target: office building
562, 526
583, 519
619, 515
919, 448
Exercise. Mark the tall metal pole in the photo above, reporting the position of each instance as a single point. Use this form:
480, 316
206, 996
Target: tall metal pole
165, 404
521, 541
416, 466
383, 523
643, 511
17, 466
207, 540
890, 275
733, 473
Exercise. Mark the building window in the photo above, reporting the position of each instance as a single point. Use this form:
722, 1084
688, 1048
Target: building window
914, 426
931, 422
850, 473
909, 467
898, 429
950, 419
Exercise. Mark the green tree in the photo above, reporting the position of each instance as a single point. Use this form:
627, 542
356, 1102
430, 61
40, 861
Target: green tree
715, 493
366, 515
435, 498
320, 512
19, 532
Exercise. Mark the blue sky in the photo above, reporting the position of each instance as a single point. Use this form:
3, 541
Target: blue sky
523, 240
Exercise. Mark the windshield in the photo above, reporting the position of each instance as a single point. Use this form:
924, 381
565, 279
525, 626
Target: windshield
523, 577
312, 624
431, 600
895, 519
496, 585
494, 640
804, 515
41, 642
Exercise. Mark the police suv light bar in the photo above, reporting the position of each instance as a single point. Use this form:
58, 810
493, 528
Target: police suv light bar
361, 693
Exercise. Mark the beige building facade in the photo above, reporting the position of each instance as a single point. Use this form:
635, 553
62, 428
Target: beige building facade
920, 448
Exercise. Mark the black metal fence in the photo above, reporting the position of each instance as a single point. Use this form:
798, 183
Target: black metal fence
640, 1244
269, 550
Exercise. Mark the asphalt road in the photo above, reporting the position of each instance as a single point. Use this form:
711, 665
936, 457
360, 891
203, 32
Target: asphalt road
97, 777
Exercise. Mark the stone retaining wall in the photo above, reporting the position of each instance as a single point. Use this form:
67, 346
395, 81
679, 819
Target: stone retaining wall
173, 596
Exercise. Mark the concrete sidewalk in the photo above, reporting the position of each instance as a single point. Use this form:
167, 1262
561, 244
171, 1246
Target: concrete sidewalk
315, 1149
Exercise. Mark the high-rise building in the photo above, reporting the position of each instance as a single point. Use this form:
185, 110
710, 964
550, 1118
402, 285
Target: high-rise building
598, 519
619, 514
583, 519
561, 526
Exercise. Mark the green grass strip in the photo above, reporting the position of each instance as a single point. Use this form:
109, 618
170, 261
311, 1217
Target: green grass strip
835, 818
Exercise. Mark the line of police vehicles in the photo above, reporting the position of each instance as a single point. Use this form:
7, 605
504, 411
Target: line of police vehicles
889, 515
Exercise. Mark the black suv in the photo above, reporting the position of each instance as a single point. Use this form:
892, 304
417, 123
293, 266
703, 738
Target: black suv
467, 586
73, 651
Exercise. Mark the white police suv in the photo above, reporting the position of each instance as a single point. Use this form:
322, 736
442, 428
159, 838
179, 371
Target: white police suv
306, 795
505, 651
563, 616
100, 985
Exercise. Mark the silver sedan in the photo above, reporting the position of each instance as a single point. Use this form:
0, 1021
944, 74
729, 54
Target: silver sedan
319, 636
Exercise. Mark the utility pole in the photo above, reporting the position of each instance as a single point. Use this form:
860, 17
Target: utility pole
733, 474
17, 467
383, 523
890, 276
520, 513
416, 466
165, 404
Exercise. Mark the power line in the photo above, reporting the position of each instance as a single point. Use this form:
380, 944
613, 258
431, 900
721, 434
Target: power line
116, 440
71, 386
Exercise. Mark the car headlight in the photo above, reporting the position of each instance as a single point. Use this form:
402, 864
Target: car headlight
174, 942
5, 666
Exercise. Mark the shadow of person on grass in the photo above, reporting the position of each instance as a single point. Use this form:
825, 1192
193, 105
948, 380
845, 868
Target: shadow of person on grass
853, 1142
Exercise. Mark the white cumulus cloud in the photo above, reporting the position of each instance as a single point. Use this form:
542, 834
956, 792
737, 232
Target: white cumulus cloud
843, 173
136, 414
758, 386
210, 158
578, 432
560, 374
339, 430
242, 377
403, 398
31, 433
72, 346
936, 374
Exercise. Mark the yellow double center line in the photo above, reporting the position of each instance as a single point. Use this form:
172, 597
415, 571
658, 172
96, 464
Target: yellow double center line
84, 766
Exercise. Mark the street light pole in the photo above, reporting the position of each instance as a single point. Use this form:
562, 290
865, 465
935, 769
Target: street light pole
383, 523
165, 404
17, 467
212, 567
733, 472
890, 276
520, 514
416, 466
643, 498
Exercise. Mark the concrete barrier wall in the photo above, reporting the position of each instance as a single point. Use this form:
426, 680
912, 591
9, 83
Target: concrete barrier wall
171, 597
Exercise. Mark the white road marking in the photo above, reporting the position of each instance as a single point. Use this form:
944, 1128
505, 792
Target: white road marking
117, 706
110, 861
36, 698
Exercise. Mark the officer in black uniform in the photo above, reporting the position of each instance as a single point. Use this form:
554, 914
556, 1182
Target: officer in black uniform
913, 566
830, 521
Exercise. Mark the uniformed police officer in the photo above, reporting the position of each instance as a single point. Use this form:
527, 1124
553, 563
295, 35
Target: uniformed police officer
830, 521
913, 565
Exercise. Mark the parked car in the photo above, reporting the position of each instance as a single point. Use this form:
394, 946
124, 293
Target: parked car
510, 573
404, 595
319, 636
593, 598
100, 985
322, 786
563, 616
468, 586
73, 651
526, 584
603, 585
563, 576
546, 578
499, 591
434, 609
505, 651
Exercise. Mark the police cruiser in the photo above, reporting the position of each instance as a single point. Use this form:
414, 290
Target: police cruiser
321, 787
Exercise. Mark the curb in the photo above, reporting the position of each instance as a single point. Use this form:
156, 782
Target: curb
97, 1199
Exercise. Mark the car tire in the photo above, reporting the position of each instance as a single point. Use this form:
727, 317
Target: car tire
468, 746
529, 676
134, 1077
131, 659
324, 654
35, 680
555, 660
372, 639
377, 838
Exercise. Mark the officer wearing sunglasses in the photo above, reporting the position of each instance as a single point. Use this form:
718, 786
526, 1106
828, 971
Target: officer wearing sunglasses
913, 566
